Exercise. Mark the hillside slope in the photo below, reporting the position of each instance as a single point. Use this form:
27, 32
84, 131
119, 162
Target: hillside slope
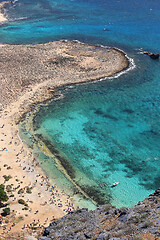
139, 222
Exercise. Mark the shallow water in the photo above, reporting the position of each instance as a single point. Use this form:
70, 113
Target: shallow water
108, 131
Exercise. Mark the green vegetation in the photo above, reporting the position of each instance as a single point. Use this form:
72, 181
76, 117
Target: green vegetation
20, 191
17, 220
3, 195
21, 201
6, 211
6, 178
28, 190
9, 188
12, 195
25, 208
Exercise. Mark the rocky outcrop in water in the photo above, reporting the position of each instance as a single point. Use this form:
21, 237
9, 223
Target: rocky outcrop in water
107, 222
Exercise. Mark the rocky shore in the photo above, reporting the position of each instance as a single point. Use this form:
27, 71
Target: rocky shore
109, 223
55, 63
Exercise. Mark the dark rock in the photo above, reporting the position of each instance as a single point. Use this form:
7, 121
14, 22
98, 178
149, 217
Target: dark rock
123, 212
109, 223
46, 232
84, 210
87, 237
116, 211
123, 218
152, 55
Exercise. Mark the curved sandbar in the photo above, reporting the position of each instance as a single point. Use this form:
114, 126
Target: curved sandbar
29, 73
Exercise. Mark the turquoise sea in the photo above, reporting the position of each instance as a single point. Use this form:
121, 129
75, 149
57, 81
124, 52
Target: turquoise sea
104, 132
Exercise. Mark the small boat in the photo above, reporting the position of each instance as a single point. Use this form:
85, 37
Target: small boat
106, 29
115, 184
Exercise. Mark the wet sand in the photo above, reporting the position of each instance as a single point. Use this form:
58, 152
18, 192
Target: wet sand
29, 75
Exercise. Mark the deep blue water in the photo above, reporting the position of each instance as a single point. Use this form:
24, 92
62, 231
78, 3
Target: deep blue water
107, 131
129, 23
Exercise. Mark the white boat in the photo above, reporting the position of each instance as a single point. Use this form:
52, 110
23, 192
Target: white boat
115, 184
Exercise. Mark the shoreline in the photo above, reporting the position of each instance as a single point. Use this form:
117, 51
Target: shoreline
62, 56
84, 63
2, 15
2, 18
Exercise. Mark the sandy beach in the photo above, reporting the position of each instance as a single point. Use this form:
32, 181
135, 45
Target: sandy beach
29, 75
2, 16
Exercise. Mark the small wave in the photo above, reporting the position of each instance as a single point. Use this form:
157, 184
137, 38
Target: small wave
18, 19
140, 51
14, 2
71, 86
131, 66
60, 96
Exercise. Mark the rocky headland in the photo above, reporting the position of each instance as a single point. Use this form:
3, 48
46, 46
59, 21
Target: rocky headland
109, 223
54, 64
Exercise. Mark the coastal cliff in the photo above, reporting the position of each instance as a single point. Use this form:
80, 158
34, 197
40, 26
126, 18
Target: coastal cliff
107, 222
